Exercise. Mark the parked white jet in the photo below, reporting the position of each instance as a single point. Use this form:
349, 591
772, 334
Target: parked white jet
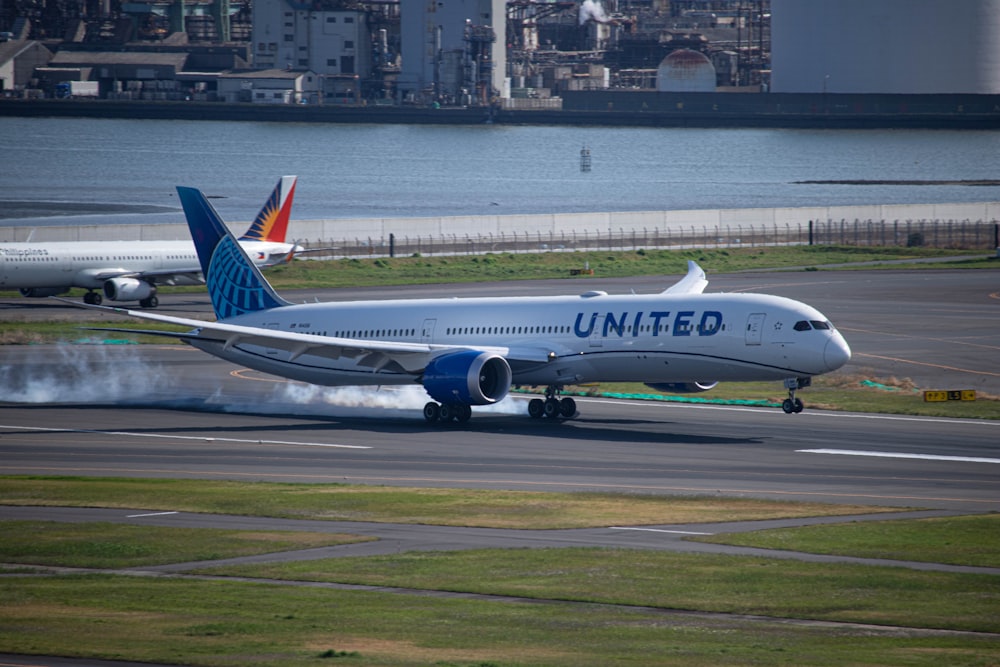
131, 270
470, 351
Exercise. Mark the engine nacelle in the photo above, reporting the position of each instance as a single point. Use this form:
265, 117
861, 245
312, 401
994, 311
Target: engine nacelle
682, 387
467, 377
127, 289
41, 292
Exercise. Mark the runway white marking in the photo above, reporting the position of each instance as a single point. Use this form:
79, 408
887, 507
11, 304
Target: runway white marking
660, 530
139, 516
815, 414
199, 438
899, 455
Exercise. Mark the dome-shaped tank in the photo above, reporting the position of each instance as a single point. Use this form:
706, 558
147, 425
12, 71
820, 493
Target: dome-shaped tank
885, 46
686, 71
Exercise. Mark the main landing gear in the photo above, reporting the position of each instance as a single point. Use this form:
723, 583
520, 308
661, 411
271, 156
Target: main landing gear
552, 407
93, 298
791, 404
446, 412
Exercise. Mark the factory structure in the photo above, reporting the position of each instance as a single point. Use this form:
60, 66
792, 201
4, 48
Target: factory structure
503, 54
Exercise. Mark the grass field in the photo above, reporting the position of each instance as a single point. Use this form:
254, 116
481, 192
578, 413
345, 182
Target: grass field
573, 607
592, 606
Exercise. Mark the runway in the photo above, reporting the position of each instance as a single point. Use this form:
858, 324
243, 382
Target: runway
188, 423
171, 411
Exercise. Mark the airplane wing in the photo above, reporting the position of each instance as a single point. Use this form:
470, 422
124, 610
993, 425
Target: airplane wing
693, 283
377, 354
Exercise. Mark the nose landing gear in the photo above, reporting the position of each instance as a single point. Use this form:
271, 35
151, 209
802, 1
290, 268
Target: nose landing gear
792, 404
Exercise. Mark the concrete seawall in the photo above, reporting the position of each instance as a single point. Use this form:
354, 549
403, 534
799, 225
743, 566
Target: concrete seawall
627, 108
338, 230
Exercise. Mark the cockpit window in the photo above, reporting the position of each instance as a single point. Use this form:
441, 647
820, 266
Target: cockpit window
820, 325
802, 325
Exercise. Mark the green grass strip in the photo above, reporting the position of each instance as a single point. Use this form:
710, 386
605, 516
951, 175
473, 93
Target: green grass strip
446, 507
218, 624
696, 582
964, 540
108, 545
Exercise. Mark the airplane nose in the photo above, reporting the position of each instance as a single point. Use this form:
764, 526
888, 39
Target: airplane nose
836, 354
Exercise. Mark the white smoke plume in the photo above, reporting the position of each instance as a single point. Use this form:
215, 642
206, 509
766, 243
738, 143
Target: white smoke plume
73, 373
108, 374
385, 401
592, 9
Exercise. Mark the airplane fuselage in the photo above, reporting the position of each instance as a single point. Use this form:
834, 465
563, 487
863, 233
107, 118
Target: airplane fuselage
564, 339
62, 265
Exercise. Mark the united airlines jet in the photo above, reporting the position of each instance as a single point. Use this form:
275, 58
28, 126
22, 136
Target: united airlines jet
131, 270
470, 351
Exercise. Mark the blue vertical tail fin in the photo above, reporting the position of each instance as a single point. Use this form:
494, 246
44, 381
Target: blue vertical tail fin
235, 285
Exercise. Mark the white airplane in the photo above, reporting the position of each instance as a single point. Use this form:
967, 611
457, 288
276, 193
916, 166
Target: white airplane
131, 270
470, 351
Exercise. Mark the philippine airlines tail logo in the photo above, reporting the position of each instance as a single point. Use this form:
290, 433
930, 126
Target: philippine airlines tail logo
271, 224
234, 283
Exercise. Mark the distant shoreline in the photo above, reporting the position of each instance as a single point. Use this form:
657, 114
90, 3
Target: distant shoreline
17, 210
971, 182
612, 108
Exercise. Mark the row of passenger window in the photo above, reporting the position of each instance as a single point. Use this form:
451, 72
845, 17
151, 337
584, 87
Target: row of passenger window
464, 331
370, 333
49, 258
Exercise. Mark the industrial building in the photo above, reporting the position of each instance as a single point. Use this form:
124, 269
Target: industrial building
886, 46
461, 52
512, 55
453, 51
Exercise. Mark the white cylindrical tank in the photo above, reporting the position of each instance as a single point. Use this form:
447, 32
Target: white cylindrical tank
686, 71
885, 46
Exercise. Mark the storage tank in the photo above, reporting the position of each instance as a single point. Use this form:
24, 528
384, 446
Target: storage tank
885, 46
686, 71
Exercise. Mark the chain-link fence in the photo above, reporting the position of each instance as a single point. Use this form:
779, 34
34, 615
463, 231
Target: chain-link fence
960, 234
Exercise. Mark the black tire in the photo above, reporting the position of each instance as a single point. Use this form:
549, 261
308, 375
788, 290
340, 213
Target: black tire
536, 408
463, 413
551, 408
567, 407
798, 405
432, 411
788, 406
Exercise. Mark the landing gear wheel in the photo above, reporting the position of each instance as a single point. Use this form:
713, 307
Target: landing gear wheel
151, 302
463, 413
799, 406
567, 407
447, 412
432, 411
93, 298
788, 406
551, 407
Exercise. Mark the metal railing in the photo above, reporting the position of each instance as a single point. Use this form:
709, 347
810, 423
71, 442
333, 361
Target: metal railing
953, 234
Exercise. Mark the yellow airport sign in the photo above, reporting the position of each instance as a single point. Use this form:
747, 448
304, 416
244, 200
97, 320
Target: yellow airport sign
952, 395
